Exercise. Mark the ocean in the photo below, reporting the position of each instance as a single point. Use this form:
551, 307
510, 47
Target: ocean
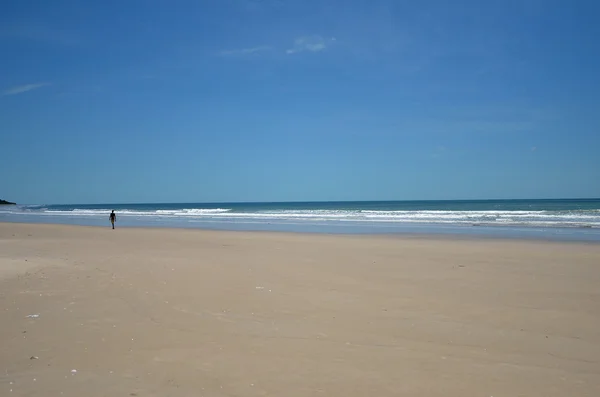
568, 219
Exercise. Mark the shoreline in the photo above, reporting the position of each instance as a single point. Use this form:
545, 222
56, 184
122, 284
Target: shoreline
398, 235
560, 219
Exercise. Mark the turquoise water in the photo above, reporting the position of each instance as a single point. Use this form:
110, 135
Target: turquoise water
538, 218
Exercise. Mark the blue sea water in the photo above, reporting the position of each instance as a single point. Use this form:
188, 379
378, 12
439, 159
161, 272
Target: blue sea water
569, 219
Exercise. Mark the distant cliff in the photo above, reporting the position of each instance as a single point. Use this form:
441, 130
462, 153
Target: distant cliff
4, 202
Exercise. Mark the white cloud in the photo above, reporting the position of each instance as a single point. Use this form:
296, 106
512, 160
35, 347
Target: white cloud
310, 43
245, 51
23, 88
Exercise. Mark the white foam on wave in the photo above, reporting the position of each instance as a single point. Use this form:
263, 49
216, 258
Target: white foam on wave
103, 212
193, 211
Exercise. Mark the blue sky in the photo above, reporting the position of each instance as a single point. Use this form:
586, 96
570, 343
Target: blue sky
277, 100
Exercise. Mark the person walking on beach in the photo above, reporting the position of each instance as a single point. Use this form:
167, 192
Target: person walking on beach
113, 218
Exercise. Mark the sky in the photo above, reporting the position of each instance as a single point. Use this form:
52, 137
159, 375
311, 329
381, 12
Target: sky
298, 100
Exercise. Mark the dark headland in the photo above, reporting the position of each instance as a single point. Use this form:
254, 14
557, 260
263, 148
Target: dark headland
4, 202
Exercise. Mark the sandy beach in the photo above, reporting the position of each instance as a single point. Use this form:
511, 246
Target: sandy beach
90, 311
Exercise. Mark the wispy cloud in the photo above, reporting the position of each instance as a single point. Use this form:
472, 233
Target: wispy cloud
311, 44
20, 89
245, 51
301, 44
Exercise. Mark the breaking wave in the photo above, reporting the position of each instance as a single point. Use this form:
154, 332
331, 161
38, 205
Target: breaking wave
573, 218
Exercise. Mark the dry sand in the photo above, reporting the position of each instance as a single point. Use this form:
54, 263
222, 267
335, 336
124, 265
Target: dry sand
157, 312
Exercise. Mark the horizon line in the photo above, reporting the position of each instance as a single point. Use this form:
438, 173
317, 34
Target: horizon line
323, 201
